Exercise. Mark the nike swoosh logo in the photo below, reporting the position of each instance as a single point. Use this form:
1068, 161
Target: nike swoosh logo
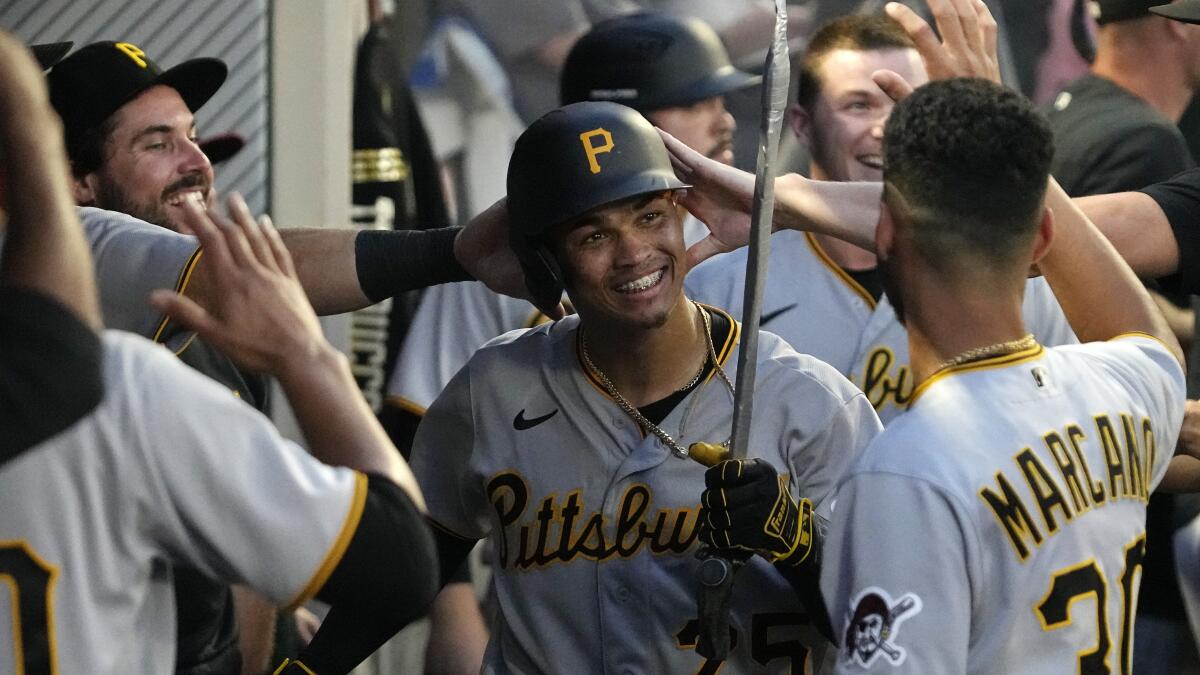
771, 316
521, 424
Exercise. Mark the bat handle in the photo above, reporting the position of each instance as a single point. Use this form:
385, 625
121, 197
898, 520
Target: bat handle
716, 574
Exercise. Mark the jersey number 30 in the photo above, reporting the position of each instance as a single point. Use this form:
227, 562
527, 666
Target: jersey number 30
1079, 581
29, 580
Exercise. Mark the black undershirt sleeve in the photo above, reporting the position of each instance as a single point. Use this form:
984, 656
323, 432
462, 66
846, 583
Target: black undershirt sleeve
50, 369
1179, 198
392, 261
385, 580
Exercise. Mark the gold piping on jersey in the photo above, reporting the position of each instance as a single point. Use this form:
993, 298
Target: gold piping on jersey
838, 271
185, 276
16, 595
1004, 360
405, 405
338, 549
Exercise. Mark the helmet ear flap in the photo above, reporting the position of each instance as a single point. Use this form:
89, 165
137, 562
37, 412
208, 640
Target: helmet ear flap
543, 276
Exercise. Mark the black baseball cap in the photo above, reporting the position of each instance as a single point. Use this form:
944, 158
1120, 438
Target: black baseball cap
1111, 11
1187, 11
50, 53
87, 87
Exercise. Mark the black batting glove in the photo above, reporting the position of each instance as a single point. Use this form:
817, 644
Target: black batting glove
747, 505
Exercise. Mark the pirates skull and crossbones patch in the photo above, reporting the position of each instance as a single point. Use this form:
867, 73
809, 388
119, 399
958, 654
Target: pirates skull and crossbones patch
872, 624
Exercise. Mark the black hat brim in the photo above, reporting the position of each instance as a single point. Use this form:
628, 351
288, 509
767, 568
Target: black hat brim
195, 80
1187, 11
222, 147
51, 53
724, 81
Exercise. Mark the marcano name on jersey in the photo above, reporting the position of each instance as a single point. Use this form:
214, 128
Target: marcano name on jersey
556, 531
1073, 487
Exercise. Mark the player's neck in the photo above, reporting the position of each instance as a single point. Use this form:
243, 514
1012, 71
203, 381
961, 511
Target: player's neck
945, 321
647, 365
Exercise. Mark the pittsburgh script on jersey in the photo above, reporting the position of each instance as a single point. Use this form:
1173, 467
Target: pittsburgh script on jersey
558, 530
1073, 488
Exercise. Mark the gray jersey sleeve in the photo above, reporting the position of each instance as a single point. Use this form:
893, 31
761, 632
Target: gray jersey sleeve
133, 258
441, 459
222, 491
452, 322
909, 610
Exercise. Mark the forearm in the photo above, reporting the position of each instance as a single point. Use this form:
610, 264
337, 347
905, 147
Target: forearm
336, 421
1099, 293
847, 211
1138, 228
45, 249
343, 270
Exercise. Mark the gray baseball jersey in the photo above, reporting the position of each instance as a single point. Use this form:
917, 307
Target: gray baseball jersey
169, 469
881, 367
999, 525
809, 301
452, 321
132, 259
595, 523
820, 310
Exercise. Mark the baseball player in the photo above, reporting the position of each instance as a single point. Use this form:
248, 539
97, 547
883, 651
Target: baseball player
675, 72
95, 517
1031, 466
568, 443
49, 353
824, 295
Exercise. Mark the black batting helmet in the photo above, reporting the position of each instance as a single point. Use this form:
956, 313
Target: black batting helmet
650, 61
570, 161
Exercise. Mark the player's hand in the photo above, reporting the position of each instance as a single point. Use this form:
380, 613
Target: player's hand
260, 316
747, 505
721, 197
967, 49
1189, 434
482, 248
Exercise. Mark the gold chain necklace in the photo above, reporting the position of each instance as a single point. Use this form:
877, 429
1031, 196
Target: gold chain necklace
636, 414
990, 351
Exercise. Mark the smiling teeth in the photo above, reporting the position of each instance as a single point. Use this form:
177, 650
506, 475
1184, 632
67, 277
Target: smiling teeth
641, 284
191, 195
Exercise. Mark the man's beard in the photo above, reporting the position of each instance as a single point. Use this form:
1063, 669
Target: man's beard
113, 197
891, 287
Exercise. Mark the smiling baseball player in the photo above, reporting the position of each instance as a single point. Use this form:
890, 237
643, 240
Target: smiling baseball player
567, 443
1035, 464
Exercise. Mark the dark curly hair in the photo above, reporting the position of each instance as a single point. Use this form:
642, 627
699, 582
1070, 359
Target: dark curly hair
971, 160
856, 32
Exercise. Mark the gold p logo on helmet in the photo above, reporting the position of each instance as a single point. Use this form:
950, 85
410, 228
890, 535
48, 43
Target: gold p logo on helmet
132, 51
592, 150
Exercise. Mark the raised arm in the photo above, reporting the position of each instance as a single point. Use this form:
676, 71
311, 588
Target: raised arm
50, 355
342, 270
44, 249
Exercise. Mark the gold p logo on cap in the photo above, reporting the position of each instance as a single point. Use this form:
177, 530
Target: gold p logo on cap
133, 52
591, 150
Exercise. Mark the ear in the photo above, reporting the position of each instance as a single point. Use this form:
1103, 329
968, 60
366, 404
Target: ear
801, 123
83, 189
1043, 239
